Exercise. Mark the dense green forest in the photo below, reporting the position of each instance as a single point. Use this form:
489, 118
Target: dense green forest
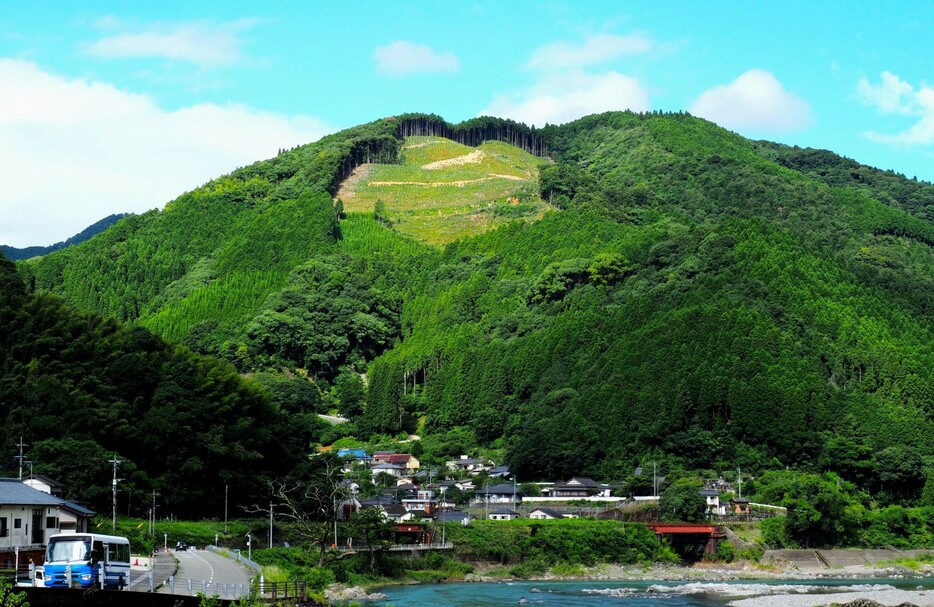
695, 299
80, 389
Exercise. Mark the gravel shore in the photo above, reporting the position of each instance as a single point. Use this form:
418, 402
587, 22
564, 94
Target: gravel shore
889, 598
752, 572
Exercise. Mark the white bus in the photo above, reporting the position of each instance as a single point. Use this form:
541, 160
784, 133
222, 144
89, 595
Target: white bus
79, 559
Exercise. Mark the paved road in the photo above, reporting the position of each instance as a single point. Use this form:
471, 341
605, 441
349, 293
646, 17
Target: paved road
210, 573
164, 566
333, 419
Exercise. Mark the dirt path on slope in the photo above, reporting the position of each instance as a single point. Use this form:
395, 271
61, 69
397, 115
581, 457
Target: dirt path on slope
475, 157
440, 184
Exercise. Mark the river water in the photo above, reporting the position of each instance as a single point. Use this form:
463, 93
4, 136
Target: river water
592, 593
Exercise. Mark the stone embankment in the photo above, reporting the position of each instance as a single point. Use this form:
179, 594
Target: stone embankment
339, 592
839, 562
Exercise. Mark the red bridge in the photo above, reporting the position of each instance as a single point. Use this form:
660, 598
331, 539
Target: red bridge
712, 532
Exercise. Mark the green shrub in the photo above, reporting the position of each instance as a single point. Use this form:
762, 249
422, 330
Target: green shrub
753, 553
899, 527
773, 533
318, 579
726, 553
569, 542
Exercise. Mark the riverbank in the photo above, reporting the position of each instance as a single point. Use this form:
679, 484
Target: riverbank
786, 578
860, 598
784, 566
860, 567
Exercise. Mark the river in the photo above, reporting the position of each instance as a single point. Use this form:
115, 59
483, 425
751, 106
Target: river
596, 593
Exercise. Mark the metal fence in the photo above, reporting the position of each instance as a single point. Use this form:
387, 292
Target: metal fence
192, 588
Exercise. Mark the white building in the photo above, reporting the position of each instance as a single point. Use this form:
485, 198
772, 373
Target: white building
503, 514
712, 501
29, 516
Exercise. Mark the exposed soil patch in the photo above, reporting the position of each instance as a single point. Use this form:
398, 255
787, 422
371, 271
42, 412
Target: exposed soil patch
359, 175
420, 145
475, 157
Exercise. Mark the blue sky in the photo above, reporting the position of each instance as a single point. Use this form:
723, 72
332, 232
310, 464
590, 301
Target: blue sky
111, 107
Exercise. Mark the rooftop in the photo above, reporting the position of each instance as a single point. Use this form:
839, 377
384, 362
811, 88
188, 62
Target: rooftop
14, 493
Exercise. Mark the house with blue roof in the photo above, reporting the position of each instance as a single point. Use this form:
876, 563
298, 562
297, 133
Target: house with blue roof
359, 454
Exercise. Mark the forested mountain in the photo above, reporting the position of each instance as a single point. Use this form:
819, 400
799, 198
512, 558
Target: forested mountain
695, 298
16, 254
80, 389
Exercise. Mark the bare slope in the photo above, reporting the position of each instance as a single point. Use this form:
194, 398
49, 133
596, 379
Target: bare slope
444, 191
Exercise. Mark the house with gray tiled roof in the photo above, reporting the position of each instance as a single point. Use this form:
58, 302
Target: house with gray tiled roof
498, 494
455, 516
551, 513
29, 516
503, 514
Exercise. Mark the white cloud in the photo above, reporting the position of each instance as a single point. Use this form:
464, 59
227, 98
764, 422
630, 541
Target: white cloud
895, 96
889, 96
756, 101
203, 43
560, 98
404, 58
76, 151
596, 49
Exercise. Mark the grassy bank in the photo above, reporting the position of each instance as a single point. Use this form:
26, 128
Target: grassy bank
493, 549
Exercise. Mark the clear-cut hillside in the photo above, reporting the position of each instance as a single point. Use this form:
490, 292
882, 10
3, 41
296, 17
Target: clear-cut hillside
443, 191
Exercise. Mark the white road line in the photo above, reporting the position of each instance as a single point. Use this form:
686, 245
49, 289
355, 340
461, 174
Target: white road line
210, 566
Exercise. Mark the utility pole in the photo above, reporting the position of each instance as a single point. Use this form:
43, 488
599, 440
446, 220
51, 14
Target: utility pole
20, 457
443, 518
115, 462
270, 523
654, 482
515, 503
739, 480
152, 514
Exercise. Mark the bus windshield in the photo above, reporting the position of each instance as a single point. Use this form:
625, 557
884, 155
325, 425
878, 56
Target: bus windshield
69, 550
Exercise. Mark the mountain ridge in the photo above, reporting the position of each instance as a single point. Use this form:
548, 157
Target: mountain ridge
694, 297
18, 254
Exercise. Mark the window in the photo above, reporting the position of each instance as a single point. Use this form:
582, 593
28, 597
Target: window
119, 553
98, 551
51, 522
4, 531
17, 523
68, 550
